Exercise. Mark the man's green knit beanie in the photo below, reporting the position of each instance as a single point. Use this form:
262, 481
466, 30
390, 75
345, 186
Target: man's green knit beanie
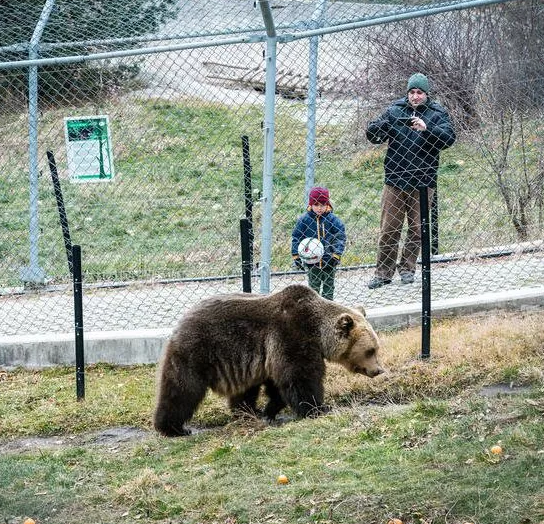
418, 81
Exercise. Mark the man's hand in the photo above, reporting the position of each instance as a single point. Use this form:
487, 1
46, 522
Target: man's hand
418, 124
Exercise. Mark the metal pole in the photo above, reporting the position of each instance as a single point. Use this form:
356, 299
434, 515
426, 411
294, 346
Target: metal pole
62, 211
248, 197
78, 322
268, 163
33, 273
408, 14
434, 223
425, 274
246, 254
311, 102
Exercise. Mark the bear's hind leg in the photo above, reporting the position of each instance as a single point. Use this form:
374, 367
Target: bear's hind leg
175, 406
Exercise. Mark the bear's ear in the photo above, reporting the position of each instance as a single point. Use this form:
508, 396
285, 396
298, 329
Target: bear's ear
344, 324
361, 309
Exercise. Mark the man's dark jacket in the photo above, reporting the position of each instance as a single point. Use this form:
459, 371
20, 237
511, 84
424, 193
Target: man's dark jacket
412, 156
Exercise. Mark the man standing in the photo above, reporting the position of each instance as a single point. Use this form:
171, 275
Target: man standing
416, 130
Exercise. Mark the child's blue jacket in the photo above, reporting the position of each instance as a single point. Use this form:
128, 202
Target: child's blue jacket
327, 228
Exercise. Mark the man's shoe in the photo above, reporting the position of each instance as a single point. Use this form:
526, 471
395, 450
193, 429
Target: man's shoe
377, 282
407, 278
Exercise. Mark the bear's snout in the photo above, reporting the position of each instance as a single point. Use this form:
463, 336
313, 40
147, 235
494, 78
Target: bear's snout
374, 372
371, 372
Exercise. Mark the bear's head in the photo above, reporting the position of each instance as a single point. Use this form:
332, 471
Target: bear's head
357, 345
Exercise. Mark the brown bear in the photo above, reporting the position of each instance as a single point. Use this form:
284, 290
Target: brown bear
235, 343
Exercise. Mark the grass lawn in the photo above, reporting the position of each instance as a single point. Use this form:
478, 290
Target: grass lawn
414, 444
178, 193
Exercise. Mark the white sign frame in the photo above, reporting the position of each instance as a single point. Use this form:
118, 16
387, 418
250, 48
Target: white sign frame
88, 148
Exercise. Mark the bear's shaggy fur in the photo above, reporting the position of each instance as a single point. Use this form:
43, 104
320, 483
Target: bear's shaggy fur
235, 343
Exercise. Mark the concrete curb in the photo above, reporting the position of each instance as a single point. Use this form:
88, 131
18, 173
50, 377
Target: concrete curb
393, 317
145, 346
58, 349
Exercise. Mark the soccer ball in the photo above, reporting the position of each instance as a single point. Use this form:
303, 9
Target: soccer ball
311, 250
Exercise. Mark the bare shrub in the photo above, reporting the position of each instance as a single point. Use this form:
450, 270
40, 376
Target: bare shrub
513, 150
443, 48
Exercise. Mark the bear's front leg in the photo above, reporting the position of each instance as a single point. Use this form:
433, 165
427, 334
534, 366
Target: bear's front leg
275, 401
304, 396
168, 427
246, 401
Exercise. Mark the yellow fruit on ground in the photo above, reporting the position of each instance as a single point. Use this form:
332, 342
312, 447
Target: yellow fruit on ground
496, 450
29, 521
394, 521
282, 479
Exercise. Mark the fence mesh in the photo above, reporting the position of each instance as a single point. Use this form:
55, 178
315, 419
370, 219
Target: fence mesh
182, 82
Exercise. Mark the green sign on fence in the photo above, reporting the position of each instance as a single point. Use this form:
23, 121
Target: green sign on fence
88, 147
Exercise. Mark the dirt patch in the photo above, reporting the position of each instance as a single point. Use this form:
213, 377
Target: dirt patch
108, 437
497, 390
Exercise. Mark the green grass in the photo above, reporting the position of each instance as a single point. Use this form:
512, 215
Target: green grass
178, 192
412, 444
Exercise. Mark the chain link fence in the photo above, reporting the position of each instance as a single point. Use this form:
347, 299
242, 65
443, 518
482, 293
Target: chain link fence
182, 82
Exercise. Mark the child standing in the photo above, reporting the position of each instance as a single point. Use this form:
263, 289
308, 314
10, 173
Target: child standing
320, 222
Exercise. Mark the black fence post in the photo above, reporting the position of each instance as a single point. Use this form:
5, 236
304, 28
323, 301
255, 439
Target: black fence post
248, 197
425, 274
434, 222
246, 254
78, 321
62, 211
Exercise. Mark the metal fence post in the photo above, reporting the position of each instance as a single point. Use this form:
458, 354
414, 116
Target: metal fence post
268, 167
246, 254
434, 223
425, 274
62, 210
78, 323
33, 272
248, 196
311, 101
